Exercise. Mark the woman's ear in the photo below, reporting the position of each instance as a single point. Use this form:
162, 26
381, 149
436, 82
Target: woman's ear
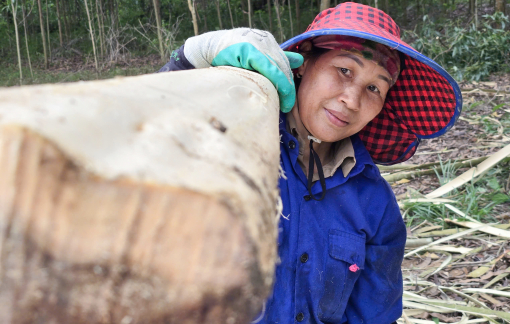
302, 68
304, 48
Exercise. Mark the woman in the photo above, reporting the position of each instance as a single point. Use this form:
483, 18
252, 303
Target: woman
363, 95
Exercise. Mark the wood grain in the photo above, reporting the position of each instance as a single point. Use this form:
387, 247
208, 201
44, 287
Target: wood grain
78, 248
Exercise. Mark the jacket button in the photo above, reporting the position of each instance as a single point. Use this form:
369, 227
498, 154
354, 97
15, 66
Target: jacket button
300, 317
292, 145
304, 257
308, 197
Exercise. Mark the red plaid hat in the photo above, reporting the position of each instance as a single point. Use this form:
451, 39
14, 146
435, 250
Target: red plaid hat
425, 101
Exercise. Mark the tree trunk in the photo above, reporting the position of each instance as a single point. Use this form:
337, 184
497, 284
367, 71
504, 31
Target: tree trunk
219, 13
66, 21
191, 7
270, 15
116, 11
114, 15
204, 4
26, 36
277, 7
406, 17
91, 30
145, 219
298, 14
101, 16
59, 24
476, 13
325, 4
499, 6
169, 14
249, 13
290, 19
230, 12
43, 34
158, 25
100, 28
243, 12
114, 36
18, 50
77, 16
48, 30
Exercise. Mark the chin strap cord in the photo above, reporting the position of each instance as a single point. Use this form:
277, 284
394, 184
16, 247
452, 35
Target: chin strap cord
314, 158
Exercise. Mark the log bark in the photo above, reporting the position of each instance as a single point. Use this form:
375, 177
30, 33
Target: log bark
148, 199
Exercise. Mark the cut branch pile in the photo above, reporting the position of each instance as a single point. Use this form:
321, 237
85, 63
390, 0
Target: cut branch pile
460, 274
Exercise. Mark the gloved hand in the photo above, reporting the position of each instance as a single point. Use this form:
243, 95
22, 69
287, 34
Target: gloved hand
250, 49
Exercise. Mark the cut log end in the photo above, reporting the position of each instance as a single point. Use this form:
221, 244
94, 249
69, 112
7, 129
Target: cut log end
77, 248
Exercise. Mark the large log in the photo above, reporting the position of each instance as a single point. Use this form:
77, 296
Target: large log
147, 199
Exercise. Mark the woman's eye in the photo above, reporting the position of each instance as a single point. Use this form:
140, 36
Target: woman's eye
373, 88
345, 71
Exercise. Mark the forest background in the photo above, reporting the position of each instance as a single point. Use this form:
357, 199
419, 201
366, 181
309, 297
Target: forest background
45, 41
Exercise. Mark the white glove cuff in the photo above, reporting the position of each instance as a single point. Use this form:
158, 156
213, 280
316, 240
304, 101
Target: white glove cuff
201, 50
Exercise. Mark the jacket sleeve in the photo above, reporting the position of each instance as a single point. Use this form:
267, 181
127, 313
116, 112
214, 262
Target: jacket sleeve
177, 62
382, 274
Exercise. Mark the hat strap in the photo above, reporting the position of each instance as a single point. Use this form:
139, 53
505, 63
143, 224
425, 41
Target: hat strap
314, 158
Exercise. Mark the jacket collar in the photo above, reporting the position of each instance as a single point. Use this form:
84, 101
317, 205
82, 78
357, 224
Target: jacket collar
364, 163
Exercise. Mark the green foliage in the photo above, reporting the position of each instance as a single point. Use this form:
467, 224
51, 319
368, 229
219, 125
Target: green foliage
10, 76
468, 53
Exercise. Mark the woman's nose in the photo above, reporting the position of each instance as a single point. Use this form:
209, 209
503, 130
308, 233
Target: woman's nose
351, 96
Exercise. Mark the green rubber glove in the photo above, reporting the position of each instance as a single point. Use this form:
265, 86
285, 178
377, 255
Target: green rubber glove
249, 49
246, 56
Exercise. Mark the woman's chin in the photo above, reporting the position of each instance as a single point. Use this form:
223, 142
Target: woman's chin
328, 137
329, 133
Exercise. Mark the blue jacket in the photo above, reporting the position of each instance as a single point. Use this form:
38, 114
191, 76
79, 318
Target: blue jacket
340, 257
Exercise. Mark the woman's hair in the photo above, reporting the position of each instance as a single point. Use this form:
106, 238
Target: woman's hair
312, 54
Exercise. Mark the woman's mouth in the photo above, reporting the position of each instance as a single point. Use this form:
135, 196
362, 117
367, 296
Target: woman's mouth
336, 118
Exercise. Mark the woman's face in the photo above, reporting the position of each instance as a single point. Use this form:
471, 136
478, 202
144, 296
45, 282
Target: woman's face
340, 93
